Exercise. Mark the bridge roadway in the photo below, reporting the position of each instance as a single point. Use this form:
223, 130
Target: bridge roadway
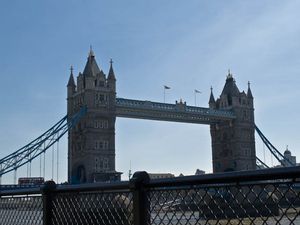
179, 112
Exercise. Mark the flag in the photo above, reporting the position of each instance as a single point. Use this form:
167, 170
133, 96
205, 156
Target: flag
166, 87
196, 91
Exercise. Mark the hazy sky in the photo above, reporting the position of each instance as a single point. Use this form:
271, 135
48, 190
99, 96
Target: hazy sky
186, 45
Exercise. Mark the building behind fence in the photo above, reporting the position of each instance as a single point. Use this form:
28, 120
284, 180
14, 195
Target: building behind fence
248, 197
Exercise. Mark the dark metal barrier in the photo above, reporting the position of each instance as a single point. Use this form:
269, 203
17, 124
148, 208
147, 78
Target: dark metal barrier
21, 208
248, 197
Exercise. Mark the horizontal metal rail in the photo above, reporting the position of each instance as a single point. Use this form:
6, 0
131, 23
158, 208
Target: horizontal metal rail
216, 178
124, 185
23, 191
268, 195
179, 112
229, 177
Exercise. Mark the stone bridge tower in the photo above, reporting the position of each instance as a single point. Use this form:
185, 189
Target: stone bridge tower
233, 143
91, 144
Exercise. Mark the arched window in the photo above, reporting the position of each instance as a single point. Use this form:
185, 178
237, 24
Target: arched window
97, 169
105, 163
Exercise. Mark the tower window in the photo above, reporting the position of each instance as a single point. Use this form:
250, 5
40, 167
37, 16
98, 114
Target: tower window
100, 98
101, 164
103, 144
97, 168
245, 114
102, 124
105, 163
229, 99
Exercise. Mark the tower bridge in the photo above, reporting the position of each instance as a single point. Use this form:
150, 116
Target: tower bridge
91, 145
92, 109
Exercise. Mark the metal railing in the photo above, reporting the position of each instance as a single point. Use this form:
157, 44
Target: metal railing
170, 112
270, 196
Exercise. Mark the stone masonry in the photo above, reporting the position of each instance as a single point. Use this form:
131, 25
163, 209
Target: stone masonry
233, 143
91, 144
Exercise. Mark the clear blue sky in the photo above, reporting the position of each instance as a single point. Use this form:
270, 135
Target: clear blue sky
186, 45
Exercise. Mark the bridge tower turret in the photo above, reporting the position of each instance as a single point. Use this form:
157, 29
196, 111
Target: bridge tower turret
111, 79
233, 143
212, 102
71, 87
91, 144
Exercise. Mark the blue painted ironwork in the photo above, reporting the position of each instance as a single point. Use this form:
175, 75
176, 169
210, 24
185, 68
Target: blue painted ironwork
179, 112
277, 154
40, 145
260, 163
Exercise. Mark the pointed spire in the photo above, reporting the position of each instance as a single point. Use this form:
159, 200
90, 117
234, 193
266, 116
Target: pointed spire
229, 76
91, 68
111, 74
71, 82
91, 53
230, 87
249, 93
211, 98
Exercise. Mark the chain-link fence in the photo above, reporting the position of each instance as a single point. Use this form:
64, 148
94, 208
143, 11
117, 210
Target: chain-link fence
248, 197
21, 210
101, 208
250, 203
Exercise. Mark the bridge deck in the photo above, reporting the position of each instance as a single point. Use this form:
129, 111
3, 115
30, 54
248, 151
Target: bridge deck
179, 112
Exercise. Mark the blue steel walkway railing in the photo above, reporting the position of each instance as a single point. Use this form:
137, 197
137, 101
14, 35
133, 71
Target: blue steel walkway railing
179, 112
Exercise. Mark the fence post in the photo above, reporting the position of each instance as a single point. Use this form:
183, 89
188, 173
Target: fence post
47, 193
141, 205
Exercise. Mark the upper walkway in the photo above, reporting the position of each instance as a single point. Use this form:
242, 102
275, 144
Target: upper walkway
179, 112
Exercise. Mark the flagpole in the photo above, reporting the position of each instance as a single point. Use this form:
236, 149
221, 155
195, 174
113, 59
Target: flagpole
164, 94
165, 87
195, 97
